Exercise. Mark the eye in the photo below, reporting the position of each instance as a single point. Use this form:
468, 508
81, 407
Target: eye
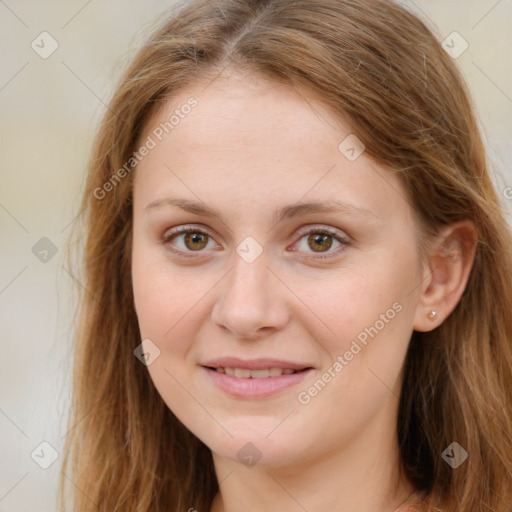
320, 240
191, 239
186, 240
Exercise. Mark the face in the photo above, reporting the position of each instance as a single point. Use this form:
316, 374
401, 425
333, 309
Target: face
276, 331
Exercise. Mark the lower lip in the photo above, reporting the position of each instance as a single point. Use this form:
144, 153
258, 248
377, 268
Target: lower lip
255, 388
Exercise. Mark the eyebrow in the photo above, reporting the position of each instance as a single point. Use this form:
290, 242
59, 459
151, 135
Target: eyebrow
286, 212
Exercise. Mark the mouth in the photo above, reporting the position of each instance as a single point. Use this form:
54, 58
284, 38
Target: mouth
246, 373
256, 378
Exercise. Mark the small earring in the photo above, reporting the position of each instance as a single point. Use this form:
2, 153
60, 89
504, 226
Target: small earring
432, 315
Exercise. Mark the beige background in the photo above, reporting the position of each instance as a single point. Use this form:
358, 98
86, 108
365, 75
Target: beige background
49, 109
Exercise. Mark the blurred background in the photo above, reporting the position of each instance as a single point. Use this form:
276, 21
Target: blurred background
60, 60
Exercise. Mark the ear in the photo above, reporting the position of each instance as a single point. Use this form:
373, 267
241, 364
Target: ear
446, 275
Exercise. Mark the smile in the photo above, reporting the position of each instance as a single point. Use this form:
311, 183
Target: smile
251, 384
245, 373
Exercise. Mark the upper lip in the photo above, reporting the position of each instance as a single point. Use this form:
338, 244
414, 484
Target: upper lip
254, 364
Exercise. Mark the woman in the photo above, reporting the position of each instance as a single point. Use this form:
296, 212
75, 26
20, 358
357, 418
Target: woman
298, 275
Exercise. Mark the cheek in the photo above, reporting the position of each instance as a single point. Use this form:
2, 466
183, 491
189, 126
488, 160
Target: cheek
369, 320
161, 299
368, 316
166, 316
348, 302
159, 294
165, 307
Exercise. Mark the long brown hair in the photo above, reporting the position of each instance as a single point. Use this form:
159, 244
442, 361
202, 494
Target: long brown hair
381, 68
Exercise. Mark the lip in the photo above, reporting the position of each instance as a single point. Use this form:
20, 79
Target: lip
255, 388
255, 364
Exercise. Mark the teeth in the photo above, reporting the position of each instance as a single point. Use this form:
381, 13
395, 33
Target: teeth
242, 373
245, 373
260, 374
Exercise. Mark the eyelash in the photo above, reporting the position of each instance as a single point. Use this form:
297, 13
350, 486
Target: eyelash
181, 230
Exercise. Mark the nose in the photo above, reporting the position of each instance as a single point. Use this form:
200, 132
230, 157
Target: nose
251, 301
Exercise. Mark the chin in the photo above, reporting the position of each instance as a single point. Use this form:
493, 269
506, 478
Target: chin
257, 443
262, 453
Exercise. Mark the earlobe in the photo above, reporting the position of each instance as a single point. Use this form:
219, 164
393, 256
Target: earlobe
446, 277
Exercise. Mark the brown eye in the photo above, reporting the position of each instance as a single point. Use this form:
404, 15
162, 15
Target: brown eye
320, 242
195, 241
326, 242
186, 240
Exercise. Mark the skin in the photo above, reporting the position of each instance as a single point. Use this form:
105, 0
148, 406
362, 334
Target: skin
249, 147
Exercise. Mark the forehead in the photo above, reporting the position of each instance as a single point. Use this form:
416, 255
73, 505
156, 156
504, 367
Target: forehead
258, 143
250, 113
